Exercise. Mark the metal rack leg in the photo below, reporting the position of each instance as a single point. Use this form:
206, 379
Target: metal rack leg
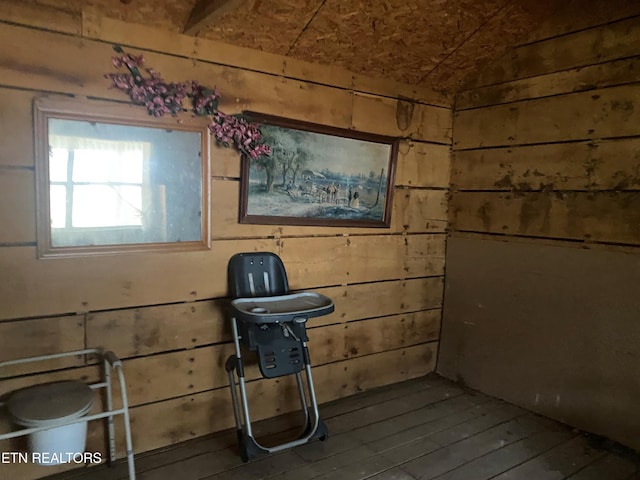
110, 426
127, 426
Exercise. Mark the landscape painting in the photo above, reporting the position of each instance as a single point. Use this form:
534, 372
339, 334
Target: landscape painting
318, 175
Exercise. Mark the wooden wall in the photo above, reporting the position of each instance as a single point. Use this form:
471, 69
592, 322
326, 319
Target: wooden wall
164, 313
546, 161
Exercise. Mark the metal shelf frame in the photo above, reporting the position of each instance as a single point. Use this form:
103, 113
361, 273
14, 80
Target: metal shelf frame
111, 364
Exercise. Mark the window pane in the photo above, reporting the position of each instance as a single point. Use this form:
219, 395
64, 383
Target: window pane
106, 206
58, 164
58, 205
100, 166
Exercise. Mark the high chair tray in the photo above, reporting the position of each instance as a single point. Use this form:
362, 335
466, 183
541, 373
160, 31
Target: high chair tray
281, 308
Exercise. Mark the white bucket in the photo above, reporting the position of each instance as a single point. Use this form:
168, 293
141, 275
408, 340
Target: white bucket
47, 407
59, 444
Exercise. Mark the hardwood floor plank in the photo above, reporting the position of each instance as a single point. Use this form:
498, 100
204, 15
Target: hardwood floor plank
320, 467
505, 458
611, 467
378, 395
458, 453
500, 414
274, 464
392, 408
315, 451
556, 464
419, 432
393, 474
427, 428
423, 415
195, 468
362, 469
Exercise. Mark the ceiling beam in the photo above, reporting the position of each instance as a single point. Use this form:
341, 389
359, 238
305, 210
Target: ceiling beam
206, 12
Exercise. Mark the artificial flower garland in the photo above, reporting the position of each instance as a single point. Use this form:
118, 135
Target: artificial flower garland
163, 98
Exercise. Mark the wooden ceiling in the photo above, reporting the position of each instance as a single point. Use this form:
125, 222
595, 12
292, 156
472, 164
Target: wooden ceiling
431, 43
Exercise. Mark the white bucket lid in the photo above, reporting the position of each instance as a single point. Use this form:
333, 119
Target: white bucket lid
50, 402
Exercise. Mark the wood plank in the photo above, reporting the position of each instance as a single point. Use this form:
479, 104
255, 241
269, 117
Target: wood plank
570, 16
342, 260
618, 72
28, 62
415, 121
358, 462
385, 411
88, 374
261, 468
424, 210
606, 113
419, 435
17, 206
610, 466
195, 415
41, 16
603, 165
225, 162
183, 373
379, 394
105, 282
98, 27
365, 337
597, 217
451, 405
611, 42
498, 461
459, 423
44, 336
453, 456
186, 372
548, 242
16, 125
423, 165
146, 330
25, 66
366, 466
558, 463
200, 414
369, 300
141, 36
393, 474
292, 98
312, 261
421, 93
213, 453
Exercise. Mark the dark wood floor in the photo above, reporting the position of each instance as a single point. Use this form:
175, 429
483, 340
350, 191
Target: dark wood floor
427, 428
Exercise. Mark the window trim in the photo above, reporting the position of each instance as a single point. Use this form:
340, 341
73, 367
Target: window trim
119, 114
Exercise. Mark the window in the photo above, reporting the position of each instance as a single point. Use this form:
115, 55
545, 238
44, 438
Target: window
106, 186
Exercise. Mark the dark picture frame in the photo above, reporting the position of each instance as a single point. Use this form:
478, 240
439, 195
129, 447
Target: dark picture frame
318, 175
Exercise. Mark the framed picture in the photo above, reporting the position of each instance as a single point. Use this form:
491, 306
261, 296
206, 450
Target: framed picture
318, 175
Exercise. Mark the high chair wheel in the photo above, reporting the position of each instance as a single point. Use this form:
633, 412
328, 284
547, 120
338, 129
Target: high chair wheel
244, 456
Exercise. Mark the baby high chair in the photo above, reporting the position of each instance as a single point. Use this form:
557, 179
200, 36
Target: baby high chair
270, 321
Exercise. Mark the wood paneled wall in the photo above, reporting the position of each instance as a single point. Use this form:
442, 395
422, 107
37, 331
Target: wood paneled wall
546, 160
164, 314
548, 146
